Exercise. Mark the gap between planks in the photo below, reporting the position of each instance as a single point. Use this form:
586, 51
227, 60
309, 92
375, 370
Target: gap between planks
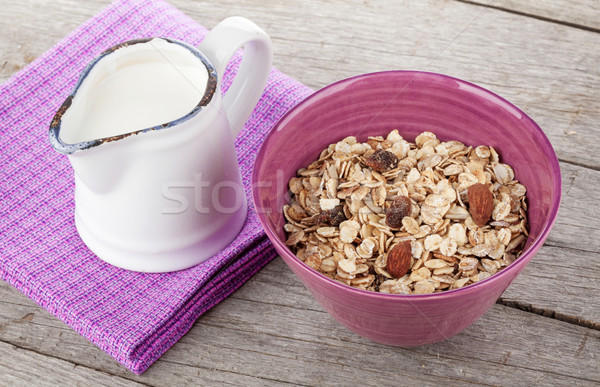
234, 373
510, 303
533, 16
578, 164
129, 378
527, 307
74, 364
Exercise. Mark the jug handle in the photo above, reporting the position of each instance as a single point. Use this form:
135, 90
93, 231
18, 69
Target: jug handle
219, 46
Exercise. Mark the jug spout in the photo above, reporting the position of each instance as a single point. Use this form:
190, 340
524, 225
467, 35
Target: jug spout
122, 98
136, 87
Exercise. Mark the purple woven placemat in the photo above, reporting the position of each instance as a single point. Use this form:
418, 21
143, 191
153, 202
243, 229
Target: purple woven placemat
134, 317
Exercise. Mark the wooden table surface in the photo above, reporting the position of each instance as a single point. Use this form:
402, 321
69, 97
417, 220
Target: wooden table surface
542, 55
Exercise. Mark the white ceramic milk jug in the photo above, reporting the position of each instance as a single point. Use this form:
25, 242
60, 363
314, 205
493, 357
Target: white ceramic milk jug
157, 184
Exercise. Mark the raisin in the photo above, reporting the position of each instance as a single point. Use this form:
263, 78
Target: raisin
381, 160
332, 217
401, 207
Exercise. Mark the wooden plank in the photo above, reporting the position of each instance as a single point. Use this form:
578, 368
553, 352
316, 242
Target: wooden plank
580, 13
279, 340
21, 367
548, 70
578, 223
560, 283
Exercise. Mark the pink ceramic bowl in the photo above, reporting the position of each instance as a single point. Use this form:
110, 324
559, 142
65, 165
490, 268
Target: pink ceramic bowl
373, 104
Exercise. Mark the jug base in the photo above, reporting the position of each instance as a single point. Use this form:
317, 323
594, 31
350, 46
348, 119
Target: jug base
164, 261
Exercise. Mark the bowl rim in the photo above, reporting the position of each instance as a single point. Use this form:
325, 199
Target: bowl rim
516, 266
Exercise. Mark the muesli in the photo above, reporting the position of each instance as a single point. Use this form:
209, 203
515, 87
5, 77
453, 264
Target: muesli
392, 216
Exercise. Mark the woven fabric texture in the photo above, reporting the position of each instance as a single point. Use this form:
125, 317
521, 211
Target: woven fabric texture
134, 317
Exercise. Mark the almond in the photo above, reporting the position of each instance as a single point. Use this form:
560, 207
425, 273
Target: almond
481, 203
399, 259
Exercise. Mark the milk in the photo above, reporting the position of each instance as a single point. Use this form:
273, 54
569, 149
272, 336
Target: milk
156, 89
